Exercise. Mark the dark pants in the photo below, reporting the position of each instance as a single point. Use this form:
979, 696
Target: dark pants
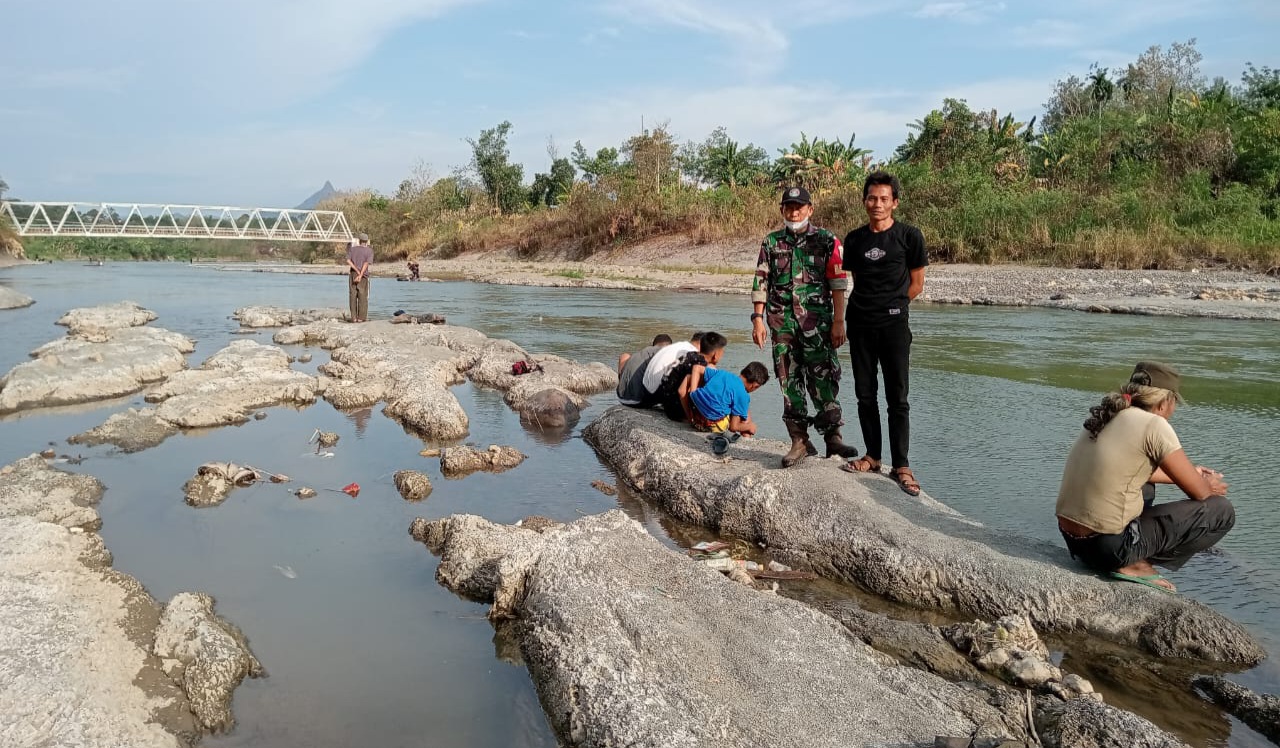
1167, 534
888, 348
358, 296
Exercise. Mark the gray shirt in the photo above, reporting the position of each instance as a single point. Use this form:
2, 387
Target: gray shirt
360, 255
631, 389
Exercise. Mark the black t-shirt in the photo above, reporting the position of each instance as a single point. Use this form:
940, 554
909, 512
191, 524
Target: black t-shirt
882, 264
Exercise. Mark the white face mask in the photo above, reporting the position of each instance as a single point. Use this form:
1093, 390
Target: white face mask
797, 226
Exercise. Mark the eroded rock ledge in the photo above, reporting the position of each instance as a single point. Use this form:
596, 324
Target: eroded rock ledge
863, 530
632, 644
11, 299
78, 636
106, 354
225, 390
411, 367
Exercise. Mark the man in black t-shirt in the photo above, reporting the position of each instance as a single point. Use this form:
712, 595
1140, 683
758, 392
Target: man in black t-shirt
886, 261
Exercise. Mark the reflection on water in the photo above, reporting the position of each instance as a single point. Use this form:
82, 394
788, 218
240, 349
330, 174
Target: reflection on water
364, 647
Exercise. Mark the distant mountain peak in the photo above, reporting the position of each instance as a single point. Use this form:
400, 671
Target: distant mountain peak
320, 195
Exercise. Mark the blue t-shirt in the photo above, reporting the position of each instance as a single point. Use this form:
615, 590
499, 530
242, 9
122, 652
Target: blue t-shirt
722, 393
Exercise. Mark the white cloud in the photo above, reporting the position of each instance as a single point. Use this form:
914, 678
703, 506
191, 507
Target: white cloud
234, 54
757, 33
969, 12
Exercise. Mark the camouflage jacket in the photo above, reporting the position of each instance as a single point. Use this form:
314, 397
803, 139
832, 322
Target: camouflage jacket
796, 274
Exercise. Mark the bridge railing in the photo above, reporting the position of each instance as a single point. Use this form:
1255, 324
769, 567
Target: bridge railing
174, 221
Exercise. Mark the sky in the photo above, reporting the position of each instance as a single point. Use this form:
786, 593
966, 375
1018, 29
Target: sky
256, 103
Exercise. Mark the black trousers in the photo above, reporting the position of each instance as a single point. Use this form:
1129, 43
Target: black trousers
887, 348
1167, 534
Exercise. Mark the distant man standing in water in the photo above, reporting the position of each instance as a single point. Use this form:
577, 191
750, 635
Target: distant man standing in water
359, 257
798, 295
887, 261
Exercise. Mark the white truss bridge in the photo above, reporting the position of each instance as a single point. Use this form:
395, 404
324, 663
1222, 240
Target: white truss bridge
175, 221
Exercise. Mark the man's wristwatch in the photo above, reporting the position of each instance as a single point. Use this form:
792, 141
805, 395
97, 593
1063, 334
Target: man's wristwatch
756, 315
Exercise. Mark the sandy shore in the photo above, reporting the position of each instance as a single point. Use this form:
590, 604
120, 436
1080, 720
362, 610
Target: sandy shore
726, 267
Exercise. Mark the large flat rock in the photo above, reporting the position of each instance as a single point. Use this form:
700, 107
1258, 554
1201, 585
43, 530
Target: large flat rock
863, 530
225, 390
104, 356
632, 644
411, 367
81, 665
11, 299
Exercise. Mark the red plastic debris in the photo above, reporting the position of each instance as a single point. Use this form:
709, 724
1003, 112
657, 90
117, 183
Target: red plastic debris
351, 489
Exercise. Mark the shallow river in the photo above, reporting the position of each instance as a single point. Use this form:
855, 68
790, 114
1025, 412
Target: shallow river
363, 647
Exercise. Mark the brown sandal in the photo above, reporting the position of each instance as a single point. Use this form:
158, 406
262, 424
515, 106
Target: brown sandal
906, 480
863, 464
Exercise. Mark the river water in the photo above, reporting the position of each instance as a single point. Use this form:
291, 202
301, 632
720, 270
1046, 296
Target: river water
362, 646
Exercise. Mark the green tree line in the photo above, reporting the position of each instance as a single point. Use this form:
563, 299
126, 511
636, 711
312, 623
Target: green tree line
1150, 165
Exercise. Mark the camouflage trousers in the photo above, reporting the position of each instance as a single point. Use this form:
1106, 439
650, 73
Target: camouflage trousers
807, 363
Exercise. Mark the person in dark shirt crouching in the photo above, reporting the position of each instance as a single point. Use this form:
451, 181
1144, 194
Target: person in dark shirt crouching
886, 260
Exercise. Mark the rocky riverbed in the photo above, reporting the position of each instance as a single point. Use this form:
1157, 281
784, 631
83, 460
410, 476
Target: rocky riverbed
90, 658
727, 267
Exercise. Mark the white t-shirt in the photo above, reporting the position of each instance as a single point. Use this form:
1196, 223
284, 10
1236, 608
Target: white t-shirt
662, 362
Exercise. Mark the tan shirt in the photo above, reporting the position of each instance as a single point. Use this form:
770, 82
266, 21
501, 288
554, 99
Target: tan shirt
1103, 479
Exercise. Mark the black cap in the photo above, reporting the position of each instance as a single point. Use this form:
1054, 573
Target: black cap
1156, 374
796, 195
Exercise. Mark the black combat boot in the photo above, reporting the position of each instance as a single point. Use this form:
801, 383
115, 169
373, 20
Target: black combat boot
836, 446
801, 447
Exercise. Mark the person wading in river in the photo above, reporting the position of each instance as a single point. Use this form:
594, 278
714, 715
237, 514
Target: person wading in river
1127, 442
798, 298
886, 259
359, 257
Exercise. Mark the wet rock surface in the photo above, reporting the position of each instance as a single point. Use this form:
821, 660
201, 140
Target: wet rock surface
1259, 711
545, 407
208, 656
917, 645
132, 430
11, 299
101, 358
227, 389
1083, 723
30, 488
632, 644
411, 368
275, 316
456, 462
412, 485
911, 550
76, 635
213, 481
97, 319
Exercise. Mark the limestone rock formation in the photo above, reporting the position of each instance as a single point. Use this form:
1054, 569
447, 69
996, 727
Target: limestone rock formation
456, 462
212, 657
78, 670
106, 317
11, 299
274, 316
632, 644
862, 529
412, 485
30, 488
1259, 711
93, 363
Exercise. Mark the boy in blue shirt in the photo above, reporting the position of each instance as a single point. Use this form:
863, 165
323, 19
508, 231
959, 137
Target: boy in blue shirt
722, 400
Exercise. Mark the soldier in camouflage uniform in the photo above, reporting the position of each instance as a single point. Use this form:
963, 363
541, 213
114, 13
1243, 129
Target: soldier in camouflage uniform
799, 302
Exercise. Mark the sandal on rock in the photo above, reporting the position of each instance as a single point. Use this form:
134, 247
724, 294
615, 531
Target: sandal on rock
1147, 580
863, 464
906, 480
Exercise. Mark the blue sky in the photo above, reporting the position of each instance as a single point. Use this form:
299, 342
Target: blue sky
258, 102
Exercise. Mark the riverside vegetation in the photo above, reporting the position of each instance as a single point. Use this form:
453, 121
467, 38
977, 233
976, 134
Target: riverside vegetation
1149, 166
